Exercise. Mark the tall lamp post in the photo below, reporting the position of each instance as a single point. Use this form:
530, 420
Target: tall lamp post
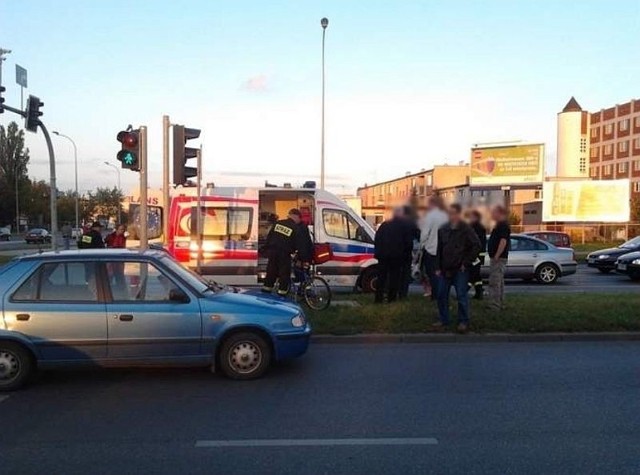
323, 23
119, 188
75, 162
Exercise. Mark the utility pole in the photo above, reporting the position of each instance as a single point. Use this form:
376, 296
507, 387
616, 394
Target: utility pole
166, 126
324, 23
199, 198
75, 162
144, 216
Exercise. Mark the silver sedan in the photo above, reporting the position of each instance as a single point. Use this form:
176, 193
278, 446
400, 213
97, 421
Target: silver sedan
531, 258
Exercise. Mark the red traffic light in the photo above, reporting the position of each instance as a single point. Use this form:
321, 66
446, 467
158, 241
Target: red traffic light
128, 139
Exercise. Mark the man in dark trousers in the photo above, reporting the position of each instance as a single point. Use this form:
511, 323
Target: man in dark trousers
458, 247
475, 281
393, 243
93, 238
405, 273
286, 237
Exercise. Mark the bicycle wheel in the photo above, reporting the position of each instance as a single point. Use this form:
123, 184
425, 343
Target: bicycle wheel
317, 293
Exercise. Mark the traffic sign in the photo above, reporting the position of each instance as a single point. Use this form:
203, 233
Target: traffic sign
21, 76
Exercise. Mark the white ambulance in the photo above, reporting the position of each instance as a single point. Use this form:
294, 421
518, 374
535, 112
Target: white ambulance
235, 222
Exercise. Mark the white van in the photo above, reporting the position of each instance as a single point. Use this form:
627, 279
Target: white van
235, 223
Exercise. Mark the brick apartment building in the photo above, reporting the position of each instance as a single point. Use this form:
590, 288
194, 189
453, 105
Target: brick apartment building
615, 144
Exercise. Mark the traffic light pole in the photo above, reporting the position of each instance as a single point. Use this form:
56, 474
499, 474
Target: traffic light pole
144, 225
166, 125
199, 197
53, 190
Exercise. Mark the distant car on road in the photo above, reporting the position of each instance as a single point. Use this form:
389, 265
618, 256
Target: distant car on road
629, 264
38, 236
605, 259
556, 238
5, 234
531, 258
131, 308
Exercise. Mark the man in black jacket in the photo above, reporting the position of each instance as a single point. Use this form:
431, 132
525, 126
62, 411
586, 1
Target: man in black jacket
286, 237
458, 247
475, 281
393, 243
93, 238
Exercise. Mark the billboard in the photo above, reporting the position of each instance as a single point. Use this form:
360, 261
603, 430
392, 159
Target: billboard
507, 165
604, 201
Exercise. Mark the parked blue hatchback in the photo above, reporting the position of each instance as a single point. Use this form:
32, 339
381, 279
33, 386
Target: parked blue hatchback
130, 308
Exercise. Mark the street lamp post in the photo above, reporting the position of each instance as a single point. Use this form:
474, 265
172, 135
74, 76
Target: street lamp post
119, 188
323, 23
75, 161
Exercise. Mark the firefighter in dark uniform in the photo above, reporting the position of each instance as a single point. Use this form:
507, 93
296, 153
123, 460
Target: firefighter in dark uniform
285, 238
475, 281
93, 238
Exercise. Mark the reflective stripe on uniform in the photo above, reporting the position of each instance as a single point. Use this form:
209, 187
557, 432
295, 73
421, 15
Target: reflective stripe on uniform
282, 229
87, 239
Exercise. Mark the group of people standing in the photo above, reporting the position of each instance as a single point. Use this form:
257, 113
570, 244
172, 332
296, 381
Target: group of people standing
93, 238
452, 249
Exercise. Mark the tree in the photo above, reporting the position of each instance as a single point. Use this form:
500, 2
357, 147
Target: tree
104, 202
14, 159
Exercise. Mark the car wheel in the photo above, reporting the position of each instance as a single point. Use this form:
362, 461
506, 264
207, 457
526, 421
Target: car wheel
245, 355
16, 366
635, 276
369, 280
547, 273
605, 271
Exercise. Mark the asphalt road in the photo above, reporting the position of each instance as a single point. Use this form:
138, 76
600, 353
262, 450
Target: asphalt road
343, 409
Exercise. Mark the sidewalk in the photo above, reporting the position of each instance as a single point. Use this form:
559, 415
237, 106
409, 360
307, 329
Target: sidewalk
382, 338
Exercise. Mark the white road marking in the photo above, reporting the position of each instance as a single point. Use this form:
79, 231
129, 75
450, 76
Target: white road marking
3, 398
315, 442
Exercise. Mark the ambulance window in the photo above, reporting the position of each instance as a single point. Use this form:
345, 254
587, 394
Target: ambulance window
340, 224
223, 223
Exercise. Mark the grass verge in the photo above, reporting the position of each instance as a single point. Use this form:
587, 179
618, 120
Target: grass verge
524, 314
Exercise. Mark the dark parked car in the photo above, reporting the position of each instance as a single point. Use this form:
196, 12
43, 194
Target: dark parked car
556, 238
629, 264
38, 236
605, 259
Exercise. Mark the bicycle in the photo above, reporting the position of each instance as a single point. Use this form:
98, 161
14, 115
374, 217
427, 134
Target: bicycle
309, 287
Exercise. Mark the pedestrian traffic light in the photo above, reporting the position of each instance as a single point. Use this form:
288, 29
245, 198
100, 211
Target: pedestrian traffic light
32, 119
181, 153
2, 89
129, 156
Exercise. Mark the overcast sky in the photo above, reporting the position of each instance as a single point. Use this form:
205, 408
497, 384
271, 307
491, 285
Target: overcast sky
409, 84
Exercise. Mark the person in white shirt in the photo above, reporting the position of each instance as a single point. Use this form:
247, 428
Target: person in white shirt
431, 222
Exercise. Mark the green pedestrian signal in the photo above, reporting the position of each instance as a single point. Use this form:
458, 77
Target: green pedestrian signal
129, 156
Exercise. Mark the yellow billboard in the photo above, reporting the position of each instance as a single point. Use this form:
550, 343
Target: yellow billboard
507, 165
603, 201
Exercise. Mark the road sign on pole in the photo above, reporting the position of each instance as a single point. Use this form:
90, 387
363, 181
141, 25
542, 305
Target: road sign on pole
21, 80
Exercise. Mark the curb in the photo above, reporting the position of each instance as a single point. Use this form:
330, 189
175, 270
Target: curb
380, 338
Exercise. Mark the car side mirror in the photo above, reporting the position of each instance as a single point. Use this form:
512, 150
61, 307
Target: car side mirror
178, 295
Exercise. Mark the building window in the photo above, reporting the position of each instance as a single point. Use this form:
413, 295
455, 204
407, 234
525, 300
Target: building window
636, 122
636, 187
622, 167
594, 132
608, 129
607, 170
594, 172
636, 143
608, 149
583, 145
624, 125
536, 195
623, 146
594, 152
583, 164
636, 165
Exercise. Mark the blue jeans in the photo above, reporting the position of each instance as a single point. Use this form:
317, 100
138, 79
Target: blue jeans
460, 281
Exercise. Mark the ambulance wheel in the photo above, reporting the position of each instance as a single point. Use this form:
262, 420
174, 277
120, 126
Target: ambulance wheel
369, 280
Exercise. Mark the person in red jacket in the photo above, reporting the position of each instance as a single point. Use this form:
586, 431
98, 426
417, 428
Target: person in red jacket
117, 239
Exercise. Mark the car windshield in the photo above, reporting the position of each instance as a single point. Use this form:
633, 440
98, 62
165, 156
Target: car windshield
631, 243
199, 283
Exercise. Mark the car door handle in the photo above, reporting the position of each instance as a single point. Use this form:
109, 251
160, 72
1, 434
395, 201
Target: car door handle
125, 318
23, 317
534, 255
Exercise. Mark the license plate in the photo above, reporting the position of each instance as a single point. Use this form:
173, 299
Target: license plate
592, 261
622, 266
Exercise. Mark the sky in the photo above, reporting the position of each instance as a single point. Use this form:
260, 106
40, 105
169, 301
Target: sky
409, 84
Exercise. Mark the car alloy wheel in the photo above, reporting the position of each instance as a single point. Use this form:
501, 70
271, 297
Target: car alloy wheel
547, 274
245, 357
